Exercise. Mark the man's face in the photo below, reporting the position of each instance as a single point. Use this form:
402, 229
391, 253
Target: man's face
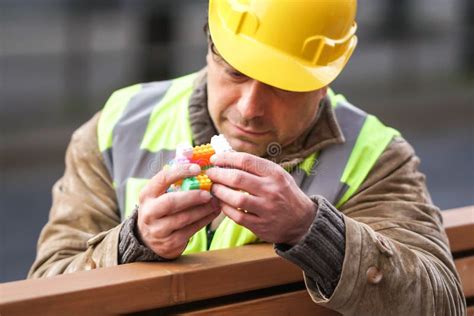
252, 114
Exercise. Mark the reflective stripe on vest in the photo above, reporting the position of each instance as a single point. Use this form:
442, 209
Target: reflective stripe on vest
130, 157
141, 126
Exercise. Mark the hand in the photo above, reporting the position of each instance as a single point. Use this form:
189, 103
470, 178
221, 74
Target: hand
276, 210
166, 221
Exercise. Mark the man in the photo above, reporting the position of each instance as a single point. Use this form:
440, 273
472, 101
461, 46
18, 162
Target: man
341, 196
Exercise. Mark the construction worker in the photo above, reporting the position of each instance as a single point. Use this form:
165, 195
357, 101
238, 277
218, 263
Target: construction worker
338, 193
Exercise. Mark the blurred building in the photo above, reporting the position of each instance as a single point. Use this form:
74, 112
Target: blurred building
60, 60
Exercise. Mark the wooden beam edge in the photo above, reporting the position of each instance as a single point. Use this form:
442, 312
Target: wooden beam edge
238, 269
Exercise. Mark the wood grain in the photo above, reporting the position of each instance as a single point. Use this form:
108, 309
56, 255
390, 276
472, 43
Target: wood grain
295, 303
459, 225
146, 286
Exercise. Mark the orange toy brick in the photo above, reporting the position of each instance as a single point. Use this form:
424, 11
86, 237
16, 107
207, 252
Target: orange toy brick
202, 154
204, 182
199, 182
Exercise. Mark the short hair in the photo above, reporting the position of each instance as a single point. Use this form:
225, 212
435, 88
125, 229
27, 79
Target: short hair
210, 42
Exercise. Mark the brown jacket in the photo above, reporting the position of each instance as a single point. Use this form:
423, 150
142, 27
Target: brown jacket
397, 258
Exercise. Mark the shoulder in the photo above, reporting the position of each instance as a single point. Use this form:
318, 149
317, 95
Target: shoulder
178, 85
399, 165
397, 153
144, 92
84, 142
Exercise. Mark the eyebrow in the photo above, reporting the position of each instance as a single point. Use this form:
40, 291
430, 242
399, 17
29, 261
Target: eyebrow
222, 61
218, 57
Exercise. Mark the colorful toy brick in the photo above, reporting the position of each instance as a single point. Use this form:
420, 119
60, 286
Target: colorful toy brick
220, 144
200, 155
200, 182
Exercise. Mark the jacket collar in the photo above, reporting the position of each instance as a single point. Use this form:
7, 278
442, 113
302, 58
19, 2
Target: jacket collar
323, 132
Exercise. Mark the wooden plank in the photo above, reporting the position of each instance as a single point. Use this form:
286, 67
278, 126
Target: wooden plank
144, 286
294, 303
459, 225
470, 311
465, 268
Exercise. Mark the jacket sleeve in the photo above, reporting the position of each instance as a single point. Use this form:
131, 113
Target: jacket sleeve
396, 256
84, 222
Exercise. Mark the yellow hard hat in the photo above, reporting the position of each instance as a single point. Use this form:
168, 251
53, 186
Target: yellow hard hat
295, 45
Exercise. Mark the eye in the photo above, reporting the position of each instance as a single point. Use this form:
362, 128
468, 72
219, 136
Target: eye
235, 74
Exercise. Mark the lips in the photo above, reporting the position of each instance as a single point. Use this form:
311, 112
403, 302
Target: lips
249, 132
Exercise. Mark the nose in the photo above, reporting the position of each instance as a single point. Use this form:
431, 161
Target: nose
252, 99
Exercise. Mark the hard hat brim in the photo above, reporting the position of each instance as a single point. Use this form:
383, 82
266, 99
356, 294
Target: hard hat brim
269, 65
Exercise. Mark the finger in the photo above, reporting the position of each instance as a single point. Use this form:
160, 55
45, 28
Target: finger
238, 199
167, 225
244, 161
174, 202
177, 241
240, 217
166, 177
236, 179
186, 232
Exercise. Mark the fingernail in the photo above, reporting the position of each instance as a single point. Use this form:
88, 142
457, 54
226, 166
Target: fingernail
206, 195
215, 204
213, 159
195, 168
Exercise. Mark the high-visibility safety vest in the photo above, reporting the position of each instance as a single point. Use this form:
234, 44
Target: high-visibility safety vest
141, 126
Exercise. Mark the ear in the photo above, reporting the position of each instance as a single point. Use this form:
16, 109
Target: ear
323, 91
209, 56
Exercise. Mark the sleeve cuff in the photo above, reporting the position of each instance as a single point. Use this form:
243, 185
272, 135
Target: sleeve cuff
130, 249
320, 253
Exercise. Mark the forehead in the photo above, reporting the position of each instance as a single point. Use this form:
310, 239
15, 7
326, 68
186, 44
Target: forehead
222, 62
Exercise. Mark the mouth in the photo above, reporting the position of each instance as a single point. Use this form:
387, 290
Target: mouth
244, 131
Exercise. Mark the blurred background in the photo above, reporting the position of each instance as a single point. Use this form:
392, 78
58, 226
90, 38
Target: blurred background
61, 59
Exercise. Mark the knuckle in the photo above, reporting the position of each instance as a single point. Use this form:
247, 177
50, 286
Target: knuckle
175, 241
178, 171
142, 230
245, 160
240, 199
160, 232
159, 181
168, 202
142, 196
164, 244
184, 171
237, 180
163, 179
271, 188
144, 214
277, 174
286, 181
158, 236
239, 218
275, 171
183, 219
142, 222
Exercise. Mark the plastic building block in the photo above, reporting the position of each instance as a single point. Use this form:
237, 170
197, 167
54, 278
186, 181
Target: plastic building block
190, 184
204, 182
220, 144
200, 155
200, 182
